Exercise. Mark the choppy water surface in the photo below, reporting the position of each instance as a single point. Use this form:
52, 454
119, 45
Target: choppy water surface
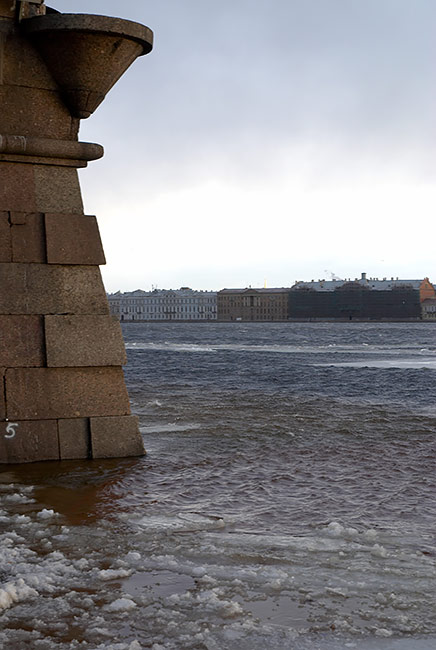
287, 500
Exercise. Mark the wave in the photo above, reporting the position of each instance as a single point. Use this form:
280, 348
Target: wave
363, 349
408, 364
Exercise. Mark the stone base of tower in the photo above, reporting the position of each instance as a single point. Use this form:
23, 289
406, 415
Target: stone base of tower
28, 441
62, 389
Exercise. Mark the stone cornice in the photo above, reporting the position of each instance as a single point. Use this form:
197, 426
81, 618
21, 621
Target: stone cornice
66, 152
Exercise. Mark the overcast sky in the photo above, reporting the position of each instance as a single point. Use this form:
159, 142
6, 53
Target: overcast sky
267, 141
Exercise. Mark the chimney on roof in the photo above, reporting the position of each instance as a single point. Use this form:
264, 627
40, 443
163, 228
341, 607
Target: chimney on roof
363, 278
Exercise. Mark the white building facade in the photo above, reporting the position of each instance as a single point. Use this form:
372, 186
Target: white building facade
429, 309
183, 304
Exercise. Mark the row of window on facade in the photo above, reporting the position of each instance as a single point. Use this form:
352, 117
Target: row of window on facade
137, 301
411, 299
185, 304
160, 310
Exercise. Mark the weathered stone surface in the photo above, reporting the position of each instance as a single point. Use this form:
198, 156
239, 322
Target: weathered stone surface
18, 218
73, 341
57, 189
17, 186
5, 238
54, 70
74, 438
6, 9
43, 150
51, 289
105, 46
23, 66
73, 239
28, 239
12, 286
27, 442
31, 8
116, 437
21, 341
42, 160
32, 111
2, 394
46, 393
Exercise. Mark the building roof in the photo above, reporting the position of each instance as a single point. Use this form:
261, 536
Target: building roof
183, 292
255, 290
370, 283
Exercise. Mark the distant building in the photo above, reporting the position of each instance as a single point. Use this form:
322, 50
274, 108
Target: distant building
363, 298
253, 304
182, 304
429, 309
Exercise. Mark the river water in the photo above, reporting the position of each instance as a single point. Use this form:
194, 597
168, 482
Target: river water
287, 500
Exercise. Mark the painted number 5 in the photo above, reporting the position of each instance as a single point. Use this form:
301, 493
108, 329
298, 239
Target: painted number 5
10, 430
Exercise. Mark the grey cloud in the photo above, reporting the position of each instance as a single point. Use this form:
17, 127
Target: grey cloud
231, 78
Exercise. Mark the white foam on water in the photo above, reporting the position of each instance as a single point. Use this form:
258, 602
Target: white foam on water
228, 597
172, 427
362, 349
171, 347
185, 579
121, 605
404, 364
46, 514
114, 574
378, 643
14, 592
18, 498
181, 522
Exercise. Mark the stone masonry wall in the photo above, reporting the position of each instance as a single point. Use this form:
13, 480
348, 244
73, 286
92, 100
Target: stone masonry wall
62, 390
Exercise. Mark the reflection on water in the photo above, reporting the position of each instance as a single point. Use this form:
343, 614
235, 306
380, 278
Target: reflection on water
81, 491
286, 501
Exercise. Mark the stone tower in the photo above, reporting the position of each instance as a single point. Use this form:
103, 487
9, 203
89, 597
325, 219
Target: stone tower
62, 393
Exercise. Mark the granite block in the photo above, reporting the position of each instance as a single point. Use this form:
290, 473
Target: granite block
73, 341
2, 394
7, 9
74, 438
5, 238
116, 437
51, 289
21, 341
17, 186
23, 65
57, 189
46, 393
33, 111
4, 29
28, 442
28, 238
73, 239
17, 218
12, 287
31, 8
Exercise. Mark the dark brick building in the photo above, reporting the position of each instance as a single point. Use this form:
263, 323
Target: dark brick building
253, 304
363, 298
